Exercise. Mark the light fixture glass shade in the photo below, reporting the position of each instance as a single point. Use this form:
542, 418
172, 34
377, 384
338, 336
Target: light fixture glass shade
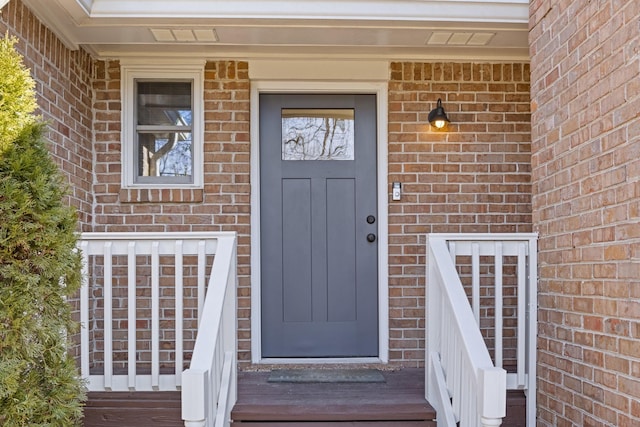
437, 117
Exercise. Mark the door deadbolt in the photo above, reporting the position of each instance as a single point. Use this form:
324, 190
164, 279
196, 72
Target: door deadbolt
371, 219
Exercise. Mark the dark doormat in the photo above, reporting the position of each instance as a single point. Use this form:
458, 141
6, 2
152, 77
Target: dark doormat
326, 376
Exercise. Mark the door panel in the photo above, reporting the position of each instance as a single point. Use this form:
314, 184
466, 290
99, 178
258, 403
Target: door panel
296, 254
318, 186
341, 250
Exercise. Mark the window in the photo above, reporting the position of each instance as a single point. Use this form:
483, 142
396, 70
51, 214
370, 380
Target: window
317, 134
162, 132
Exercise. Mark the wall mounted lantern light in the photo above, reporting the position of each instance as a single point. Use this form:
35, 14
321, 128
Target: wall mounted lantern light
437, 117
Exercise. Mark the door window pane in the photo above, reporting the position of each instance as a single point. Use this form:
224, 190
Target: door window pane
317, 134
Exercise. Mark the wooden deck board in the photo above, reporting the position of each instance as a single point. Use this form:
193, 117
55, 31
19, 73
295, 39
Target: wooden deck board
401, 397
133, 409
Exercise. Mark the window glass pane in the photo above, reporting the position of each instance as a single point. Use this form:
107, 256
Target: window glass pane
317, 134
165, 154
164, 103
164, 129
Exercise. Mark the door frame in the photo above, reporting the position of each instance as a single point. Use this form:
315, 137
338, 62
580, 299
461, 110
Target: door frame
379, 88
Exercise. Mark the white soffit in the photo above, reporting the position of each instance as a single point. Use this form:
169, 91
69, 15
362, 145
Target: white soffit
446, 29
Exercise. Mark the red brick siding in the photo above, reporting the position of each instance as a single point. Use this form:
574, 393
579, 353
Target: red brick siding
585, 67
63, 83
473, 177
223, 204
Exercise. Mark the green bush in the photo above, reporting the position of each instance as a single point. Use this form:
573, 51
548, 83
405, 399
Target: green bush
39, 269
17, 94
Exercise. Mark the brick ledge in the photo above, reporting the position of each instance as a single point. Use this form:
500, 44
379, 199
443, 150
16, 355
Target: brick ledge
160, 195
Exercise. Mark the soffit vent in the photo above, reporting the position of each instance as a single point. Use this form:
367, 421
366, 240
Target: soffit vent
182, 35
459, 38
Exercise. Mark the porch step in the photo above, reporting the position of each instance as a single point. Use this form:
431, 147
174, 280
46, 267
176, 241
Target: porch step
516, 409
397, 402
335, 424
124, 409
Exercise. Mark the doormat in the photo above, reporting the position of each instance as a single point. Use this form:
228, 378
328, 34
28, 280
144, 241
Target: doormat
326, 376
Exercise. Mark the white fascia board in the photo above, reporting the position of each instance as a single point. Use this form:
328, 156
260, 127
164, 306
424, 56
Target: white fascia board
3, 3
514, 11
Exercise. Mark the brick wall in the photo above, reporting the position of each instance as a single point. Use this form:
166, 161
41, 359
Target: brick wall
473, 177
63, 83
585, 65
223, 205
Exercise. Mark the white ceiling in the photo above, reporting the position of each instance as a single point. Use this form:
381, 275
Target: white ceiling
394, 29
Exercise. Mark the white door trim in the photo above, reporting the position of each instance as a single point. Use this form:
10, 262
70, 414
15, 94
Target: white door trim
379, 88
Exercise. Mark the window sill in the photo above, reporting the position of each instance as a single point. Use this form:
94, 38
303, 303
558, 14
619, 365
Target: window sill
161, 195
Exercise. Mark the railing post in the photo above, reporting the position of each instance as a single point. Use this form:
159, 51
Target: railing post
532, 326
492, 403
195, 389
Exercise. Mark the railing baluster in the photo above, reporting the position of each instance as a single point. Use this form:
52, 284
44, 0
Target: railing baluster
522, 315
178, 295
155, 314
466, 411
498, 306
475, 281
202, 262
217, 363
107, 290
449, 348
457, 377
84, 311
131, 315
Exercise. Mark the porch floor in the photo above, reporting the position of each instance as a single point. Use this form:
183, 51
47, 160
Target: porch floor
397, 402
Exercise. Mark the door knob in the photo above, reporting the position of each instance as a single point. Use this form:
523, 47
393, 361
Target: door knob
371, 219
371, 237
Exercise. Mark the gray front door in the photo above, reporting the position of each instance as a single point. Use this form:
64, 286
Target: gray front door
318, 224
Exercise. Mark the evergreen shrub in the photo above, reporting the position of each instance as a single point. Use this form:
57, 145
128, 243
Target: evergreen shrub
39, 268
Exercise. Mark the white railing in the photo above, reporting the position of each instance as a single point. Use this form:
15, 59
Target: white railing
141, 301
209, 388
462, 381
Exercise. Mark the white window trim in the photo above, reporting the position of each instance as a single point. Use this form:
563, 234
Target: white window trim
184, 70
